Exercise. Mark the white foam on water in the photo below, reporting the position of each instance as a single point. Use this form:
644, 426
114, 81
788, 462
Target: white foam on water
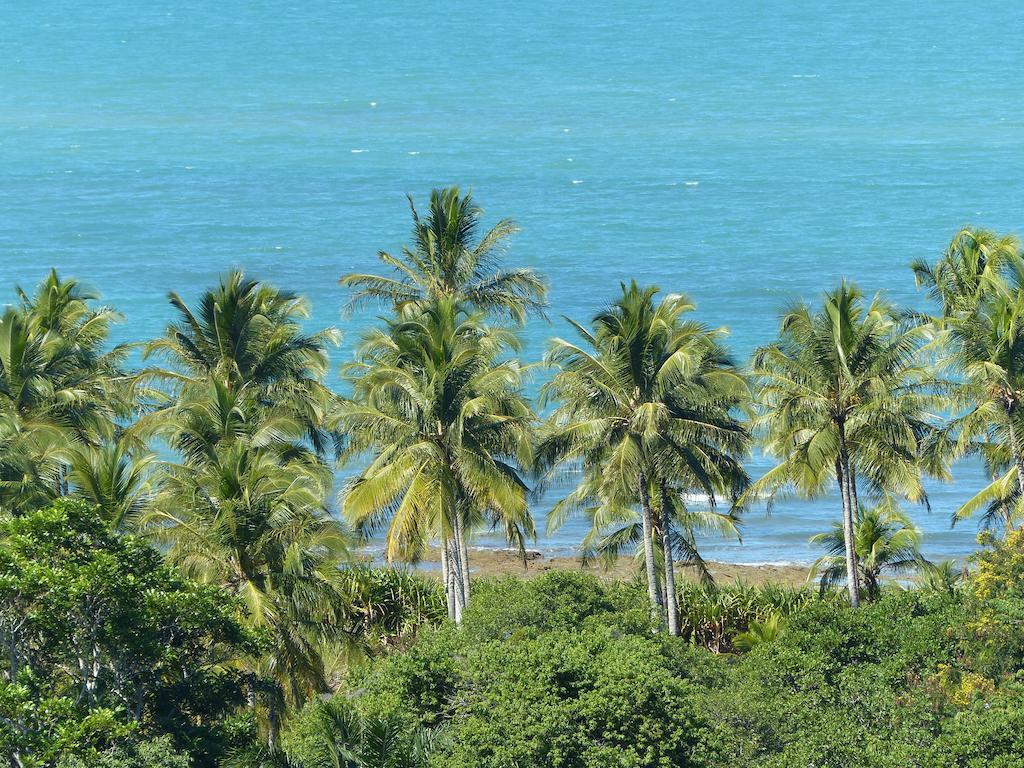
373, 103
565, 130
692, 183
577, 181
778, 563
412, 153
359, 151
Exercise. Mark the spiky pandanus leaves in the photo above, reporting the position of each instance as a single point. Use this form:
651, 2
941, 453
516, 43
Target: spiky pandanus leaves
438, 410
886, 542
646, 407
846, 396
450, 259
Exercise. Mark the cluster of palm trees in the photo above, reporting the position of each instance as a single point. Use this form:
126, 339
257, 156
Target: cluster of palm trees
223, 447
654, 419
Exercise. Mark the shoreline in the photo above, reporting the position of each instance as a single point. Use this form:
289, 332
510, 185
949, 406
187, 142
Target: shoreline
505, 562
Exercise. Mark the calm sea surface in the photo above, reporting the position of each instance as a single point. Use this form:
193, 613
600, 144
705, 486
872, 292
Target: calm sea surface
747, 156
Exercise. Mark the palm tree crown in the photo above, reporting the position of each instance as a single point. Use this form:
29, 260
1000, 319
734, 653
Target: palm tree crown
449, 259
886, 541
59, 388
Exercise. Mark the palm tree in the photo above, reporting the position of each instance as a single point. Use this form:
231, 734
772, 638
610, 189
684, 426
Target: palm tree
59, 388
336, 734
944, 577
438, 409
647, 411
759, 633
115, 480
244, 508
244, 407
449, 259
844, 395
676, 525
979, 284
886, 541
248, 334
975, 264
986, 349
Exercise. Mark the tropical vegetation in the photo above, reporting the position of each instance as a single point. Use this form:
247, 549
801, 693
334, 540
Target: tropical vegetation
185, 581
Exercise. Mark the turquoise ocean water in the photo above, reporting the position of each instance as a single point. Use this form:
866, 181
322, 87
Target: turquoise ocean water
747, 155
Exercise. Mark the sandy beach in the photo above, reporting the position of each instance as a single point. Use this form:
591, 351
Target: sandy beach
503, 562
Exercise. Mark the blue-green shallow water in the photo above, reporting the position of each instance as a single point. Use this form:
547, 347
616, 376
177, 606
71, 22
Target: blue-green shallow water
745, 155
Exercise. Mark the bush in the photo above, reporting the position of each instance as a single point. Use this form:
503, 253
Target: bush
566, 671
106, 644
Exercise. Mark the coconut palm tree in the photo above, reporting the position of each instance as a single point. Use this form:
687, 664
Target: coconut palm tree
115, 480
944, 577
979, 284
646, 407
451, 259
244, 508
986, 350
59, 387
438, 409
845, 395
248, 334
975, 265
678, 522
241, 401
886, 542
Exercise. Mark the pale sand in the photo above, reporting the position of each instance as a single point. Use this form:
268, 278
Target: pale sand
500, 562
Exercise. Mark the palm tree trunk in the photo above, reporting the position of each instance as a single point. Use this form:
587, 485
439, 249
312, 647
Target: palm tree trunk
464, 556
446, 577
671, 600
846, 490
647, 524
1018, 454
273, 721
456, 566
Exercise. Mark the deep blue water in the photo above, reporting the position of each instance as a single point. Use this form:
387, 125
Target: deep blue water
743, 154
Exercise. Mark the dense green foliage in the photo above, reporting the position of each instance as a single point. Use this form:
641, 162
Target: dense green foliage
105, 644
565, 671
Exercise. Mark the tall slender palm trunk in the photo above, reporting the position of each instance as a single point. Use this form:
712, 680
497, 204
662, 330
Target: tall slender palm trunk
671, 597
1015, 449
458, 598
464, 556
647, 525
457, 570
843, 475
273, 721
446, 578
